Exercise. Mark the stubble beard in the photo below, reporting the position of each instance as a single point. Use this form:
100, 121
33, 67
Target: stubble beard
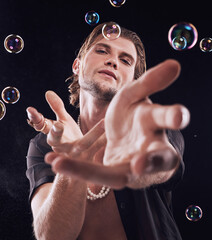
99, 91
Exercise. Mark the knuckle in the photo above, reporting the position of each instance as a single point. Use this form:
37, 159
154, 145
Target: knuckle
78, 150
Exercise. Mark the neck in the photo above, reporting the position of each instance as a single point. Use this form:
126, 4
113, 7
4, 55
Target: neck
92, 110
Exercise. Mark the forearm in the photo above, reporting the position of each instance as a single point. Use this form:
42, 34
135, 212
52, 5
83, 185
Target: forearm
62, 214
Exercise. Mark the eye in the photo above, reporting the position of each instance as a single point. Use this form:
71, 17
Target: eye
101, 51
126, 61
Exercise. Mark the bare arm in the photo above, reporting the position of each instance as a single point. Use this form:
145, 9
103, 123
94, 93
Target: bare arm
59, 209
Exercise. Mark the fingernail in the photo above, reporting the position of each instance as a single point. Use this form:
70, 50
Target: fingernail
29, 115
185, 118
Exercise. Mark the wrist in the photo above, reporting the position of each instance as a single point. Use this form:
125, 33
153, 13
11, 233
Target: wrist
67, 182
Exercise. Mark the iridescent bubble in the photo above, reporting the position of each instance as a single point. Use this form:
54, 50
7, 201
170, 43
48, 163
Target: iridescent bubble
193, 213
111, 31
206, 44
186, 30
14, 43
92, 17
179, 43
10, 95
2, 110
117, 3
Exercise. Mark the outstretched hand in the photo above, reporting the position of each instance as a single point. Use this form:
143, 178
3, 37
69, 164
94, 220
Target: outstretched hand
60, 131
137, 144
137, 130
65, 136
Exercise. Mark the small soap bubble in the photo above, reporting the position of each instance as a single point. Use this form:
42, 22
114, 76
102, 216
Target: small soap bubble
117, 3
92, 18
193, 213
10, 95
2, 110
183, 30
179, 43
13, 43
206, 44
111, 31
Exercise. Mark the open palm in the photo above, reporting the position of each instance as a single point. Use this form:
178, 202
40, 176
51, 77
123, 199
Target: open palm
137, 144
135, 127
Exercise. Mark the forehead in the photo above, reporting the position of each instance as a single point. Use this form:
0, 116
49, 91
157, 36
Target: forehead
120, 44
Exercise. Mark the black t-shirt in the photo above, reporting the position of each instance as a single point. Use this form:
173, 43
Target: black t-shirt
146, 214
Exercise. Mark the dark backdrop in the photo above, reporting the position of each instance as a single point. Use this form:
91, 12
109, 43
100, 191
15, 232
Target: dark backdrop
52, 32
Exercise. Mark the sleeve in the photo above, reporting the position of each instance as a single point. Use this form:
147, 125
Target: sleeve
175, 137
38, 172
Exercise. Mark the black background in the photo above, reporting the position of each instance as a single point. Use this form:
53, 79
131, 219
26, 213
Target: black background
52, 32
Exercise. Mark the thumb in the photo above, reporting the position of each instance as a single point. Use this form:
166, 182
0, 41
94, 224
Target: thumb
56, 104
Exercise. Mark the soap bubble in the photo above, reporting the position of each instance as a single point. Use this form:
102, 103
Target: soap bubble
117, 3
92, 17
206, 44
179, 43
13, 43
111, 31
183, 30
2, 110
193, 213
10, 95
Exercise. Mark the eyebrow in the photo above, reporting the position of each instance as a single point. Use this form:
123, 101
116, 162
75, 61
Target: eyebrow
124, 54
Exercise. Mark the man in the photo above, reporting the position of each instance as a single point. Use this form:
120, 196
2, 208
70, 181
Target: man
114, 170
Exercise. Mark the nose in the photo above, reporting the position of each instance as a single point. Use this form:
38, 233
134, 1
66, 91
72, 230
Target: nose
112, 62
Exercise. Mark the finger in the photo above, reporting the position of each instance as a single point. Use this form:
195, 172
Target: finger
37, 120
162, 159
34, 116
50, 157
56, 104
95, 148
115, 177
54, 136
170, 117
164, 117
154, 80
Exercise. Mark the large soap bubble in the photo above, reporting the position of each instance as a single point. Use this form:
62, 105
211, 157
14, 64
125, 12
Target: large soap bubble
14, 43
193, 213
111, 31
117, 3
206, 44
10, 95
183, 31
2, 110
92, 18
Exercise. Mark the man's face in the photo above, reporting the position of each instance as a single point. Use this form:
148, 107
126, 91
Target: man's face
107, 66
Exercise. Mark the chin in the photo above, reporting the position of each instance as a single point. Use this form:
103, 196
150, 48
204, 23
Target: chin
105, 93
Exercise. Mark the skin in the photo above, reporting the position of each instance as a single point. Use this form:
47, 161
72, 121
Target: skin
121, 140
129, 162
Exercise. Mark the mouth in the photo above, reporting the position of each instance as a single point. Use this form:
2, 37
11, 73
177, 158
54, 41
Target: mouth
108, 73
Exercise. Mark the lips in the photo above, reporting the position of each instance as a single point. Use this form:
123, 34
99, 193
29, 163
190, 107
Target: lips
107, 72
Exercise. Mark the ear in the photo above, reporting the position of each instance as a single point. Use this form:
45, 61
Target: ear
76, 66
